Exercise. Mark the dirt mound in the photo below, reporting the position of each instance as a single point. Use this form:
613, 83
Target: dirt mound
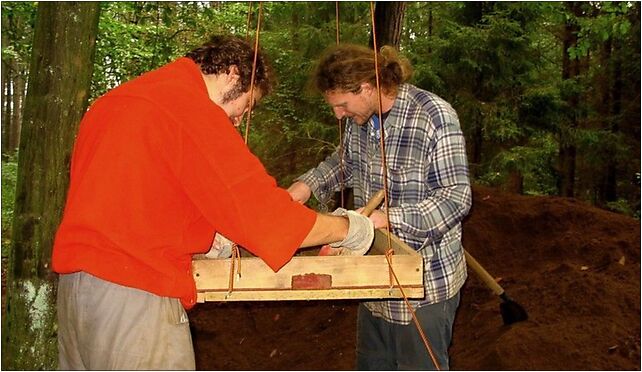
573, 267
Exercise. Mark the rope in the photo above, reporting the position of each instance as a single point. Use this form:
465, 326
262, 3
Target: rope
385, 200
423, 336
256, 55
341, 171
384, 167
389, 253
235, 259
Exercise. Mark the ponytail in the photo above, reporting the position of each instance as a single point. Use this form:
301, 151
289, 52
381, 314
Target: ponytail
345, 67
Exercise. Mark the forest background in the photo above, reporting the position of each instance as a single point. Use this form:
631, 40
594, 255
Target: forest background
548, 93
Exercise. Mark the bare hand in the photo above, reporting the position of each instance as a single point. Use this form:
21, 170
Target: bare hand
379, 218
326, 250
300, 192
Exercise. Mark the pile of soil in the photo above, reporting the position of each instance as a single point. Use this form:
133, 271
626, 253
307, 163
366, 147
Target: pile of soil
573, 267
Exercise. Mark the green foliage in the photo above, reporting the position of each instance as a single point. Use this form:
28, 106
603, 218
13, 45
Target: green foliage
540, 108
623, 206
136, 37
9, 178
20, 18
603, 21
498, 63
293, 129
533, 161
500, 123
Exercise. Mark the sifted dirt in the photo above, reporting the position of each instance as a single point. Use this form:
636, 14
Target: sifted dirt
573, 267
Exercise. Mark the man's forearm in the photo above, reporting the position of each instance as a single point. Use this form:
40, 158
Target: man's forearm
326, 229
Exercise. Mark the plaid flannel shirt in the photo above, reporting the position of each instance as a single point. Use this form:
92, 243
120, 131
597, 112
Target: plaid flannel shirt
428, 188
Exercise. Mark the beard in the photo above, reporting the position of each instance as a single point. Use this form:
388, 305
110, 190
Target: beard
362, 119
234, 93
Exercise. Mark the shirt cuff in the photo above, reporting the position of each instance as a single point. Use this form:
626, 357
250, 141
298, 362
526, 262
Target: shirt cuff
312, 181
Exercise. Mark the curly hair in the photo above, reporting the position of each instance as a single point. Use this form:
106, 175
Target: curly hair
345, 67
223, 51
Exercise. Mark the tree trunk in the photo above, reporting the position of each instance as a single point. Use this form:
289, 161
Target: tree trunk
7, 100
474, 13
514, 182
17, 97
388, 23
59, 83
14, 82
610, 85
570, 70
388, 26
6, 88
610, 193
430, 31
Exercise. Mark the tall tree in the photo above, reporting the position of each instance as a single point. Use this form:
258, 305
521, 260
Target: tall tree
570, 73
17, 35
388, 23
605, 42
59, 82
6, 87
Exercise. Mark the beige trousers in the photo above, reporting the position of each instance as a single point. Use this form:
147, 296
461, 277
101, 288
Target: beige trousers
105, 326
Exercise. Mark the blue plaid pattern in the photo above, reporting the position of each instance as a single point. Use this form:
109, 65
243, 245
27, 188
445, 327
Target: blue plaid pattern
428, 187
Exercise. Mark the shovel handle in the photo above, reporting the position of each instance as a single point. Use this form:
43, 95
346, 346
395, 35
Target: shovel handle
373, 203
483, 274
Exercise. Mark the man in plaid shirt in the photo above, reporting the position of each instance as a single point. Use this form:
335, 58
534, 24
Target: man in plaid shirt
428, 190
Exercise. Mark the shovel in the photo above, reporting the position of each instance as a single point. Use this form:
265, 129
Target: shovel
511, 311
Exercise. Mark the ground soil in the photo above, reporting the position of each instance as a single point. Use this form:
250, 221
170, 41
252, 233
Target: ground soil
574, 268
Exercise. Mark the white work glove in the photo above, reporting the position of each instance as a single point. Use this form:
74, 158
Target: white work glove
360, 234
221, 247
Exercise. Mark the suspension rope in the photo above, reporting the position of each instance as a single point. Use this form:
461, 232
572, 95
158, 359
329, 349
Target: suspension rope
384, 167
386, 202
339, 121
235, 260
256, 55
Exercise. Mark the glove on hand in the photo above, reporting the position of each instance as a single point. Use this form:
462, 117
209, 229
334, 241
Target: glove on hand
360, 233
221, 247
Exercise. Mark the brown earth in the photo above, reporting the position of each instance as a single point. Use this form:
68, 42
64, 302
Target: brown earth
573, 267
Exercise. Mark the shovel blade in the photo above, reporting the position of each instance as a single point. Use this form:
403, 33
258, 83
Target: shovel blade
512, 312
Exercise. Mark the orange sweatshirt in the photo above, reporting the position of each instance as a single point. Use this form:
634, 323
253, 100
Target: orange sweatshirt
157, 169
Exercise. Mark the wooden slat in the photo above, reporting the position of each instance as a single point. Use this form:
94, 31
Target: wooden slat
324, 294
380, 245
351, 277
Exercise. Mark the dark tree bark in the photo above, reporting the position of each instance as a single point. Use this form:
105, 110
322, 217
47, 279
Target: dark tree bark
570, 70
6, 109
6, 88
476, 143
388, 26
430, 29
59, 81
388, 23
14, 83
610, 192
473, 14
610, 86
15, 25
18, 85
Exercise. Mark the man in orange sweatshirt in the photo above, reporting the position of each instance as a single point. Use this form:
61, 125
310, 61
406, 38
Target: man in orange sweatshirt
157, 169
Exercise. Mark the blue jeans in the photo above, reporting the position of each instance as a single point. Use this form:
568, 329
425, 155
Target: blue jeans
382, 345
